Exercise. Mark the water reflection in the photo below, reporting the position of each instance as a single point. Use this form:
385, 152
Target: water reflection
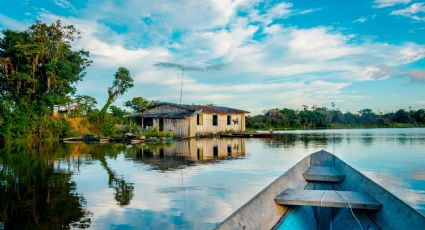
33, 193
290, 140
191, 184
175, 155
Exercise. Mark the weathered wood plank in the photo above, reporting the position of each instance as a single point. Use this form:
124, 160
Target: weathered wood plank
327, 198
324, 174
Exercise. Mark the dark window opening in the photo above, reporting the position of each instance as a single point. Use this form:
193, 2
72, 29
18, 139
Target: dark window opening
229, 150
229, 120
147, 122
215, 151
215, 120
161, 153
161, 124
199, 119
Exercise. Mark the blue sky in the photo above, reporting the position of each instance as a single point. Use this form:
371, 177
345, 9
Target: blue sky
358, 54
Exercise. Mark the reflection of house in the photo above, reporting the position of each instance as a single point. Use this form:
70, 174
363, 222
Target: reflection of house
190, 120
180, 153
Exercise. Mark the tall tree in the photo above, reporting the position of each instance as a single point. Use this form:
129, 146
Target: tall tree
122, 82
38, 70
137, 104
38, 65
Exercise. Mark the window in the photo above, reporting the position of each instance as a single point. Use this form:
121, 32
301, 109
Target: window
229, 120
215, 120
199, 119
215, 151
200, 153
229, 150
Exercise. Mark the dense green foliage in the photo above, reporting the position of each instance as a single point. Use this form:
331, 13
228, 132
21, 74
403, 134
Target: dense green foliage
138, 104
322, 117
38, 71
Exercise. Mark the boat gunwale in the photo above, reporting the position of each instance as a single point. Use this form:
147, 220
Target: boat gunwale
341, 164
264, 190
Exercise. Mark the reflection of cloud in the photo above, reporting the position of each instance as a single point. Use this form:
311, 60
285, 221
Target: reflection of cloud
418, 175
400, 188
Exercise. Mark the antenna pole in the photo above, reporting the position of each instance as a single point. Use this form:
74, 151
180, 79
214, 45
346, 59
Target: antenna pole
181, 87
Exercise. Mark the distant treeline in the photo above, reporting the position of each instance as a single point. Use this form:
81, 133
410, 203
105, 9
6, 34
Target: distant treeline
322, 117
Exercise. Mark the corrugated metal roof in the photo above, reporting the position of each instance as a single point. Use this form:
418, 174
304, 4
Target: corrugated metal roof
206, 108
191, 109
164, 115
217, 109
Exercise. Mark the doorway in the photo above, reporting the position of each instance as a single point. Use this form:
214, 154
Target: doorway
161, 124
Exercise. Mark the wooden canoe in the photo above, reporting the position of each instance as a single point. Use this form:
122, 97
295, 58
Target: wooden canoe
323, 192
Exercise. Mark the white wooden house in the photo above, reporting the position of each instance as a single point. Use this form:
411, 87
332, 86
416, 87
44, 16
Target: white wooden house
191, 120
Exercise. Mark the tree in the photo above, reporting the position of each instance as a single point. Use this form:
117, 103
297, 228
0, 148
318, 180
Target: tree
85, 104
402, 116
38, 65
367, 116
137, 104
419, 116
118, 114
120, 85
38, 70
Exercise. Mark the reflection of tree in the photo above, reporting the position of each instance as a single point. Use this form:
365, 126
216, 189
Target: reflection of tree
124, 191
290, 140
32, 193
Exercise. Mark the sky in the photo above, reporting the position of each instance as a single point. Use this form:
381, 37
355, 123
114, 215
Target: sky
273, 54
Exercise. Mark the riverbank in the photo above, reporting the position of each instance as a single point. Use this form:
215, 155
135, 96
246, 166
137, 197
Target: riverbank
341, 126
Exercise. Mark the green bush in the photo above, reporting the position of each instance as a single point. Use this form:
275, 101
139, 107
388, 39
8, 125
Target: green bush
155, 133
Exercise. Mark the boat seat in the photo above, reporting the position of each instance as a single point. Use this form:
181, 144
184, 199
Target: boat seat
327, 198
323, 174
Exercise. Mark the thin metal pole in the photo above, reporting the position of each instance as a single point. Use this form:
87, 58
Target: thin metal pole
181, 87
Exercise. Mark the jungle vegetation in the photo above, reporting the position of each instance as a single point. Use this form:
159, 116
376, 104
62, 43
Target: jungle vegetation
322, 118
39, 70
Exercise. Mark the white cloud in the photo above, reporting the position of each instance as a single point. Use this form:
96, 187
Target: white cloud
415, 11
420, 102
309, 11
360, 20
65, 5
297, 66
387, 3
10, 23
417, 75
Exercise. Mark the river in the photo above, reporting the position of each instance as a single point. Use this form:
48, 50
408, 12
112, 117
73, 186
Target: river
193, 184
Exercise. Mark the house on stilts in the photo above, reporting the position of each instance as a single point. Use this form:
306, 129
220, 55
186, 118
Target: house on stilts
191, 120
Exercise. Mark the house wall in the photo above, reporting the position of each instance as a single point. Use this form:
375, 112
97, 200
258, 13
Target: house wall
189, 149
208, 127
180, 127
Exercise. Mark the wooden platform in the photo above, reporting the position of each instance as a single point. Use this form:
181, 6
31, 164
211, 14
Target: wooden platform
327, 198
323, 174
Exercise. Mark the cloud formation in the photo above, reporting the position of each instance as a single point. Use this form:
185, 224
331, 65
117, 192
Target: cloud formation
263, 55
415, 11
388, 3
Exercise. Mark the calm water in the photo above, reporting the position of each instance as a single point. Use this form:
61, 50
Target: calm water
187, 185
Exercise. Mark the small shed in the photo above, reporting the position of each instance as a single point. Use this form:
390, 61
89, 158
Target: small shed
191, 120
